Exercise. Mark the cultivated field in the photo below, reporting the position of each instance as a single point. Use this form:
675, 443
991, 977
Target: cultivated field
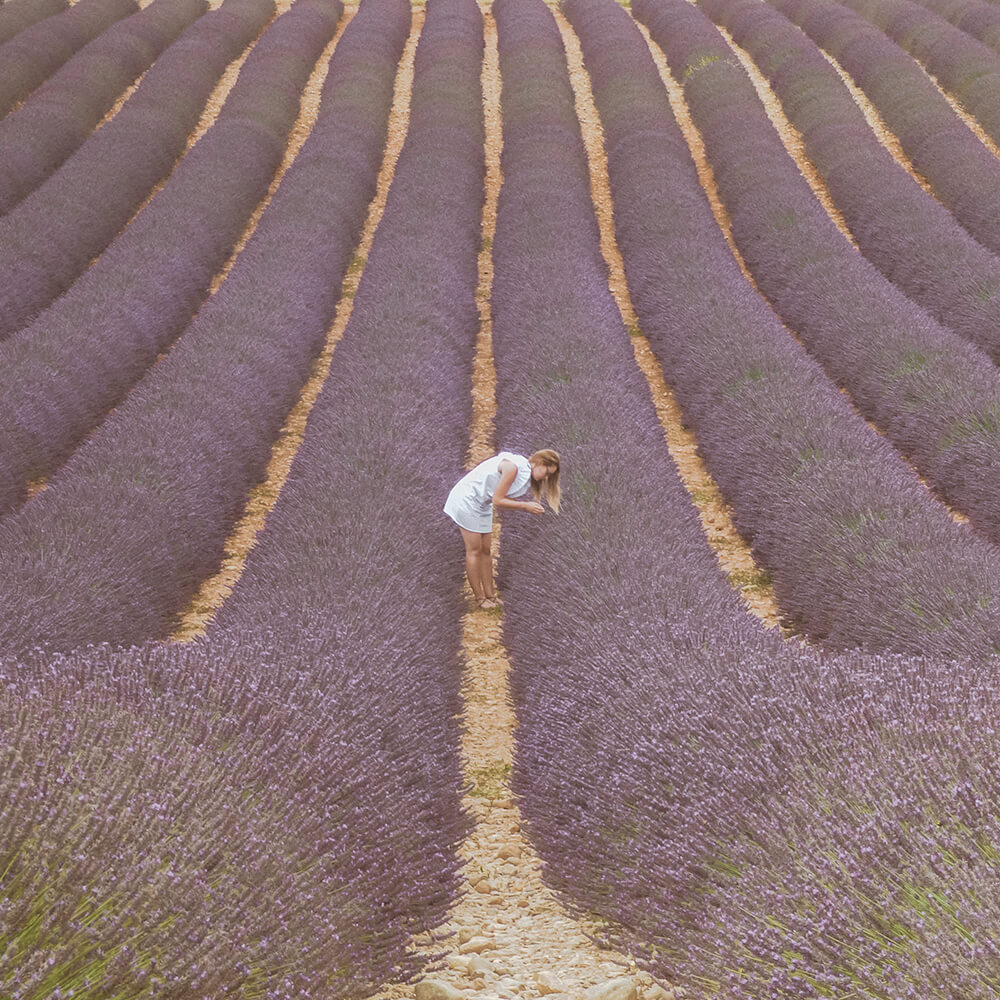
274, 273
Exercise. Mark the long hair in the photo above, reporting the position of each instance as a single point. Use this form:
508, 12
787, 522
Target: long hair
549, 488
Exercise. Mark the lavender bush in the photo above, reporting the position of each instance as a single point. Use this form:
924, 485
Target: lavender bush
803, 472
63, 373
981, 20
236, 820
16, 15
964, 174
60, 115
299, 766
51, 236
963, 66
40, 49
936, 397
911, 238
756, 820
140, 514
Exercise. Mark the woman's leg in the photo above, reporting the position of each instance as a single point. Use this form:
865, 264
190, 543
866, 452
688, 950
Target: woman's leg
473, 555
486, 566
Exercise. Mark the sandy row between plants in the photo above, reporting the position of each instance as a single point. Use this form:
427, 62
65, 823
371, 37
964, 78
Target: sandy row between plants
527, 944
263, 497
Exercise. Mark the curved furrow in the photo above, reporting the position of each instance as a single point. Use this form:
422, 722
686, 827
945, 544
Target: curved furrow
936, 396
49, 238
124, 534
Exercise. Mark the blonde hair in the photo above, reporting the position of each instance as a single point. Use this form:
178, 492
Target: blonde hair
550, 487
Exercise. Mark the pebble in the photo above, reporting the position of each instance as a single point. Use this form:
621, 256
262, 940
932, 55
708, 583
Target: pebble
434, 989
510, 851
478, 966
483, 886
464, 934
622, 988
549, 982
475, 944
460, 962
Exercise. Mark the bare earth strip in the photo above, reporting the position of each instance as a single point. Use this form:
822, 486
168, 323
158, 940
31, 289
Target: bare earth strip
695, 143
509, 936
790, 136
732, 551
262, 498
883, 133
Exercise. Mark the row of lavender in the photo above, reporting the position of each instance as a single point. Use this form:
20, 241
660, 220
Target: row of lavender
934, 394
908, 235
64, 372
49, 238
962, 65
17, 15
31, 54
963, 173
60, 114
115, 546
296, 773
859, 552
756, 820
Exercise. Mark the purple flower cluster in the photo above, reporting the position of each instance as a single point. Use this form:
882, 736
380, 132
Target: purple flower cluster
60, 115
16, 15
963, 66
964, 174
566, 376
981, 20
39, 49
936, 396
274, 810
911, 238
219, 821
51, 236
63, 373
125, 532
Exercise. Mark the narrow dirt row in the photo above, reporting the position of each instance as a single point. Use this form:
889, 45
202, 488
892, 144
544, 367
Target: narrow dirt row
262, 499
733, 553
507, 936
678, 104
883, 133
791, 137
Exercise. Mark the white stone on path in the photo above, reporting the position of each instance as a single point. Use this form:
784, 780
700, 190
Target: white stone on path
614, 989
434, 989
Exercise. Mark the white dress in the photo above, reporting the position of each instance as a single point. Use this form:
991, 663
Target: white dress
470, 502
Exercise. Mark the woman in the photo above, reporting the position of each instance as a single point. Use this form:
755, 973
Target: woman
496, 483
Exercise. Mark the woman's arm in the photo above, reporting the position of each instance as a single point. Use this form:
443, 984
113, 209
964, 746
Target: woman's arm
508, 472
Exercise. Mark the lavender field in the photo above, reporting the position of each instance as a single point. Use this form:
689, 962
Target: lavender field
264, 279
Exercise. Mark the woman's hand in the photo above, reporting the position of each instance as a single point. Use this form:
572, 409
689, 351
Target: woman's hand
534, 506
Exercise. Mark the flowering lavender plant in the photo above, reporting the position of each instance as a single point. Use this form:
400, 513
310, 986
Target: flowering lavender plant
16, 15
50, 237
39, 49
964, 174
911, 238
142, 511
62, 374
963, 66
61, 113
936, 397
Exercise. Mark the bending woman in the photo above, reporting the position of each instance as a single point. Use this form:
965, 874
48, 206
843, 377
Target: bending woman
498, 482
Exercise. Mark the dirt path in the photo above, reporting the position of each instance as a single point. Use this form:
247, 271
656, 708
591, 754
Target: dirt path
216, 589
508, 935
732, 551
790, 137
